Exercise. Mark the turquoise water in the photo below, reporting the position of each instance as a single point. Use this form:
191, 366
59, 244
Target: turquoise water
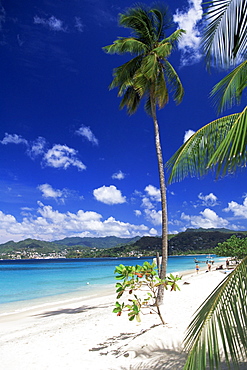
24, 280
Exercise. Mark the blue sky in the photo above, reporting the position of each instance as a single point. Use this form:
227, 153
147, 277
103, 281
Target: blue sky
72, 163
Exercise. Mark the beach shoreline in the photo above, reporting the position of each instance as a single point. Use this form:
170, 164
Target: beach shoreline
84, 333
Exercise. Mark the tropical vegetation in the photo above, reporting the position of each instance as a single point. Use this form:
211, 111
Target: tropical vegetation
141, 283
150, 76
220, 145
219, 330
233, 247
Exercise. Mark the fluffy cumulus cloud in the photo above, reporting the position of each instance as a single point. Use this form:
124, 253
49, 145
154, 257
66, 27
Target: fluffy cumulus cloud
52, 23
50, 224
87, 133
109, 195
239, 210
209, 200
150, 202
207, 219
153, 193
188, 20
61, 156
118, 175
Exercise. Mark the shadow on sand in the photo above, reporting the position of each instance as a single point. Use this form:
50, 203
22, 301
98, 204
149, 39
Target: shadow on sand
70, 311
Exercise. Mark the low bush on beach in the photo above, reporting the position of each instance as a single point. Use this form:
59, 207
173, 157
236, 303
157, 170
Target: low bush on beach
141, 282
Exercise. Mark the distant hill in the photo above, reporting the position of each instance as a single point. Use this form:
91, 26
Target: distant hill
189, 241
101, 242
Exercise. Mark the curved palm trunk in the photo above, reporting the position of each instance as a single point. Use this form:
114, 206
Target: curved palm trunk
163, 203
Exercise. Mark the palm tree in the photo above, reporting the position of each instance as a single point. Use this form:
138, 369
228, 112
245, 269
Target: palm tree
148, 75
221, 322
220, 144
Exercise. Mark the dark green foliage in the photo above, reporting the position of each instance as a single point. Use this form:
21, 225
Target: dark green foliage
233, 247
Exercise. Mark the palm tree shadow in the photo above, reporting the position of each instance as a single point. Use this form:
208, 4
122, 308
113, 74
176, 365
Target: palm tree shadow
70, 311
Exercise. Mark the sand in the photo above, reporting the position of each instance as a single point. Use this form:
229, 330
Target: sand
85, 334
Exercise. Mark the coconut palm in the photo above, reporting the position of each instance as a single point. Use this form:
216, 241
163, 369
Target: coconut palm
219, 328
220, 144
148, 75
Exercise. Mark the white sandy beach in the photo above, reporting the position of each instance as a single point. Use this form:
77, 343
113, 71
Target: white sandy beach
85, 334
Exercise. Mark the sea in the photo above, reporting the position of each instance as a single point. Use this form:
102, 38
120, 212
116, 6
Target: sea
29, 283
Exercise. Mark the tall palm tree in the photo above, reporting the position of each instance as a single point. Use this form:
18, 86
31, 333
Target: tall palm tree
148, 75
221, 322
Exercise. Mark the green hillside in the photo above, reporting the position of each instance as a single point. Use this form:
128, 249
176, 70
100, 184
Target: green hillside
190, 241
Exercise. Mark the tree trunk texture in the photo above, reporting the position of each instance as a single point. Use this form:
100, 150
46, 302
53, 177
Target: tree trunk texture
163, 269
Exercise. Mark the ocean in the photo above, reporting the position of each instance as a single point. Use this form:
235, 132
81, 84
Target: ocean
30, 282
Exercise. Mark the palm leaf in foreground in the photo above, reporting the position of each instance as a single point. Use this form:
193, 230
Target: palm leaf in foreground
219, 329
221, 143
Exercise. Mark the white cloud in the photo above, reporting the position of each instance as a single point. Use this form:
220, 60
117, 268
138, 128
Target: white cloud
188, 134
137, 212
109, 195
52, 23
49, 192
37, 147
239, 210
13, 139
153, 193
190, 42
209, 200
153, 216
86, 132
118, 175
50, 224
61, 156
207, 219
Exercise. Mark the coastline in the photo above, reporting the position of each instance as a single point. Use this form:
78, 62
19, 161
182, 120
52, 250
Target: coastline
84, 333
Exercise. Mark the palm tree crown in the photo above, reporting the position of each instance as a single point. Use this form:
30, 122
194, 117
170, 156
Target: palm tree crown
149, 73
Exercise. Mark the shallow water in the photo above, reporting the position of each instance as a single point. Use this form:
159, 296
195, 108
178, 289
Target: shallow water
38, 281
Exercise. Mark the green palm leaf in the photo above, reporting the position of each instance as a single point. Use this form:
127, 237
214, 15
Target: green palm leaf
229, 90
220, 143
126, 45
218, 331
225, 38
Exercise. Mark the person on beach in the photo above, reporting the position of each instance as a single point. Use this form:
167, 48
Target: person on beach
197, 268
209, 267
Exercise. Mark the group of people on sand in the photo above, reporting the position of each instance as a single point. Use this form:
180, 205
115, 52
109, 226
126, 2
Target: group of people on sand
198, 268
209, 267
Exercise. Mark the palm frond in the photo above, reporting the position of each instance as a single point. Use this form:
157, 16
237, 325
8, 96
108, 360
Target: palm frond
193, 157
124, 74
175, 37
139, 21
161, 91
218, 331
126, 45
150, 66
161, 20
225, 38
130, 100
231, 153
174, 82
229, 90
